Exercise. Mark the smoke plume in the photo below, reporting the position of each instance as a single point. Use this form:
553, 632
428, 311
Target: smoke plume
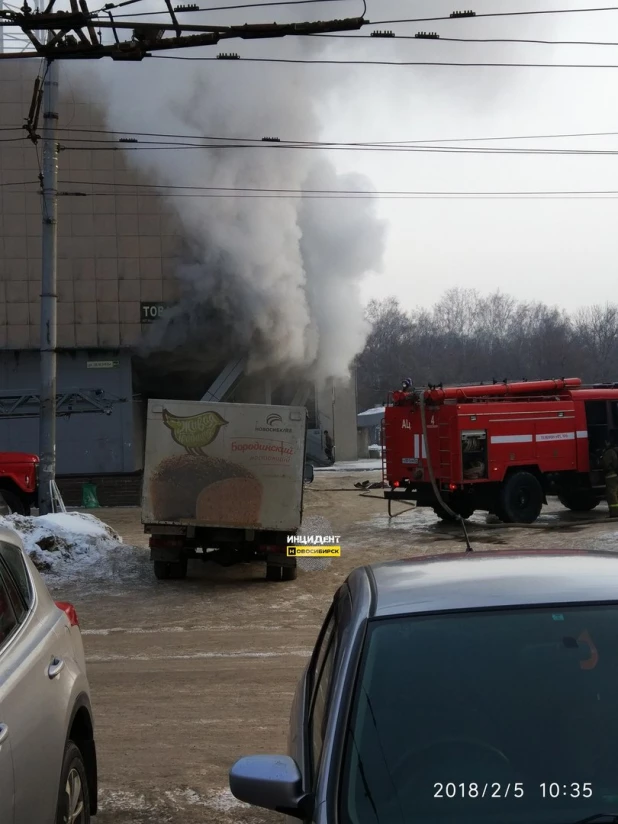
278, 275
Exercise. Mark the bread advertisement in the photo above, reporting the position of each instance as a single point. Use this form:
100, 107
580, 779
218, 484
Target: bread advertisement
230, 465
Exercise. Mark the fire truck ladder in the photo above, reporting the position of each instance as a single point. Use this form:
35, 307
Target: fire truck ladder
444, 442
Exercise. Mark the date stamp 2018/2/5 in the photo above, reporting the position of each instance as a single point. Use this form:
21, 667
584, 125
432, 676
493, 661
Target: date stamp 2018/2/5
497, 789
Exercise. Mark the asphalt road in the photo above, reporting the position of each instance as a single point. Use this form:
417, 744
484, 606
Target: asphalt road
187, 676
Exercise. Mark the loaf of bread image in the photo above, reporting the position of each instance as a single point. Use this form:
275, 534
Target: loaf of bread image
231, 502
192, 487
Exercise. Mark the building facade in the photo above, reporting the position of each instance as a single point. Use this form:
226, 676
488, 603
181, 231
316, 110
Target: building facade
119, 247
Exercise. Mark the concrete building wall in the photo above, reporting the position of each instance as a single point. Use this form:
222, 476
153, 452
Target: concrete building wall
86, 443
117, 245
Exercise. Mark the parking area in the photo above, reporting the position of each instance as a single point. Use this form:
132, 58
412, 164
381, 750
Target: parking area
189, 675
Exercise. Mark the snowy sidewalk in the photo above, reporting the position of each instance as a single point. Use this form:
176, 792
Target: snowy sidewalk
364, 465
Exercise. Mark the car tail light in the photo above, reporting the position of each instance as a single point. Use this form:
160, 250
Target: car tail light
69, 610
395, 484
452, 487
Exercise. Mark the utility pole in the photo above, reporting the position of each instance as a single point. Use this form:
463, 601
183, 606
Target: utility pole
49, 206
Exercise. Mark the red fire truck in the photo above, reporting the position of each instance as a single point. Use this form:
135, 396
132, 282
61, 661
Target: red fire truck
500, 447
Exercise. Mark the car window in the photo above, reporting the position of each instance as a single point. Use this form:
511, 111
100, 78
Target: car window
17, 602
8, 619
449, 710
14, 560
320, 683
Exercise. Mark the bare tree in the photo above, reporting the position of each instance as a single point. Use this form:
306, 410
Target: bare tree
467, 337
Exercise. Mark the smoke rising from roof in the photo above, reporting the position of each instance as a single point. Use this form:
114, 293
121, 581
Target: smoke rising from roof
278, 275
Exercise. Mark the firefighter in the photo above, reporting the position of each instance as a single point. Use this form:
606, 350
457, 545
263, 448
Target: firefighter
406, 385
328, 446
609, 463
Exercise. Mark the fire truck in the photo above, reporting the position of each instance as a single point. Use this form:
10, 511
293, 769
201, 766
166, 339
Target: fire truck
499, 447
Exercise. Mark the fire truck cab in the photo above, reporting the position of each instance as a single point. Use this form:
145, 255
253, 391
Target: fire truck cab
500, 447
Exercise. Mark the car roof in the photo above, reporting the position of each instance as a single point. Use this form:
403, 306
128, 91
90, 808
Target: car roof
491, 579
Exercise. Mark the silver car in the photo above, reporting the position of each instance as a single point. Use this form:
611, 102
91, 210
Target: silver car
474, 689
48, 766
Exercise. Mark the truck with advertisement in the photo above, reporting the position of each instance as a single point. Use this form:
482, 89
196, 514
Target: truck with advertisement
223, 482
500, 447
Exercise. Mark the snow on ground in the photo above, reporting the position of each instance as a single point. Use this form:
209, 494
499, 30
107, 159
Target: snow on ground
363, 465
314, 526
66, 544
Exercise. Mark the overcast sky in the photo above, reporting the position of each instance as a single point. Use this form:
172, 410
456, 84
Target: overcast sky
558, 251
555, 250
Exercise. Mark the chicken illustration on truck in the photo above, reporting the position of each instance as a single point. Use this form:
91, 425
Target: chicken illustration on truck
223, 482
499, 447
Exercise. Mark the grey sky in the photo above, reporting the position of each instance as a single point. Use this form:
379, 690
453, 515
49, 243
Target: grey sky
556, 251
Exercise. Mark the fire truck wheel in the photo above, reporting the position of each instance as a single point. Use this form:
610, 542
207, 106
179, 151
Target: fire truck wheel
15, 503
583, 500
521, 499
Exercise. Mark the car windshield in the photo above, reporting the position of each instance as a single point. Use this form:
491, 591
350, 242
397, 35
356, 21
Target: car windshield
503, 716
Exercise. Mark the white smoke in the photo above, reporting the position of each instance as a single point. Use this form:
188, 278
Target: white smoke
282, 274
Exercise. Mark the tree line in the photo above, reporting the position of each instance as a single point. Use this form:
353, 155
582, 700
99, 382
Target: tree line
468, 337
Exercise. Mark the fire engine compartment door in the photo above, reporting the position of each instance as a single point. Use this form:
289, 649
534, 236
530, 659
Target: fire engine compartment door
474, 454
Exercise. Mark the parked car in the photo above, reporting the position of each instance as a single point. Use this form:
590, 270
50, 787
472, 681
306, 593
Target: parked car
469, 688
19, 481
48, 764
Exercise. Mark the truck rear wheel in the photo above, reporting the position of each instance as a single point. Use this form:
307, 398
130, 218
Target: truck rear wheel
581, 500
521, 499
170, 570
276, 572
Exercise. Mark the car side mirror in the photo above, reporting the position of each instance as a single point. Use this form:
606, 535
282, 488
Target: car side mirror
273, 782
309, 473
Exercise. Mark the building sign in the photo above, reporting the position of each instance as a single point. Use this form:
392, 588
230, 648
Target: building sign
102, 364
149, 312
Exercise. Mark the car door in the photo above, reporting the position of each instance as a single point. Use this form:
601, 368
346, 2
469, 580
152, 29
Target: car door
34, 692
8, 626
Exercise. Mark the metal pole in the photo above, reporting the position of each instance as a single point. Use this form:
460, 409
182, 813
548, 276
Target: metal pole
47, 419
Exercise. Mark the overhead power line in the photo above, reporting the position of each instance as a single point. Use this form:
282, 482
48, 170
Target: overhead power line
490, 14
75, 34
164, 12
326, 62
441, 39
330, 143
165, 146
153, 190
233, 190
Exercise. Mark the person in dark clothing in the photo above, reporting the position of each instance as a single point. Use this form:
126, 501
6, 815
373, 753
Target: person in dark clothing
609, 463
328, 446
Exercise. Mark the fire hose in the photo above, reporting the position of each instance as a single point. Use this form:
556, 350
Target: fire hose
432, 477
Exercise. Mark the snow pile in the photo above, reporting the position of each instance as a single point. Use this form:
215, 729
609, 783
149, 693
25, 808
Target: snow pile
65, 543
362, 465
